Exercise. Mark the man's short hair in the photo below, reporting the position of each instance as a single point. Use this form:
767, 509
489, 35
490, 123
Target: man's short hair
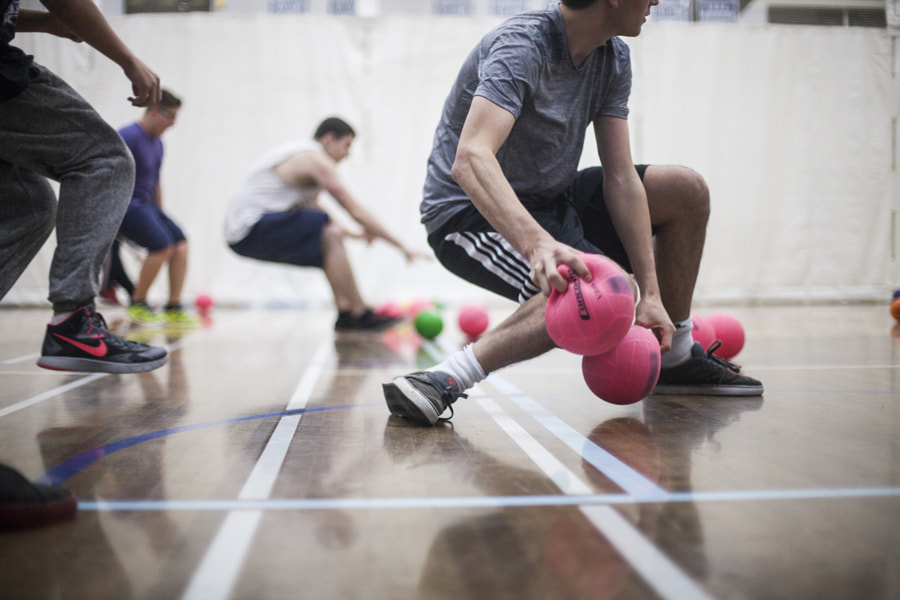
578, 4
335, 125
169, 100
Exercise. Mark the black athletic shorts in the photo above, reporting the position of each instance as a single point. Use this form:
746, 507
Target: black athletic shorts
468, 246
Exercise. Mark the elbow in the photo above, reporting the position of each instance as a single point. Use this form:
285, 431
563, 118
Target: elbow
462, 168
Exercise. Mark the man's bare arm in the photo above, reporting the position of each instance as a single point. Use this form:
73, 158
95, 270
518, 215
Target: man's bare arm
479, 174
84, 21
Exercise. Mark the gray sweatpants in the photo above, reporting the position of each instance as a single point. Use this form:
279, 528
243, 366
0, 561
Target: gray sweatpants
50, 132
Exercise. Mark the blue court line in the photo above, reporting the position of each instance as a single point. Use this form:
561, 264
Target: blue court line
78, 463
482, 502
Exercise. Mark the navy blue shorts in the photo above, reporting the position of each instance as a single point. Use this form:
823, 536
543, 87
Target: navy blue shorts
293, 238
468, 246
148, 226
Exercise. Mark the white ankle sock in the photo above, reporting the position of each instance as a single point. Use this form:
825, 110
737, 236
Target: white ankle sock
682, 342
462, 366
57, 319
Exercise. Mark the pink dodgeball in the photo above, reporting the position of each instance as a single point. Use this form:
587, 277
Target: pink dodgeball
702, 332
729, 331
473, 320
591, 317
627, 373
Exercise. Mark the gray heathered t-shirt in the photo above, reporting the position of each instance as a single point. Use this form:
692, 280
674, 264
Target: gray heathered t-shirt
525, 67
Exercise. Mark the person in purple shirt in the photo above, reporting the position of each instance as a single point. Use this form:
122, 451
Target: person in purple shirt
145, 223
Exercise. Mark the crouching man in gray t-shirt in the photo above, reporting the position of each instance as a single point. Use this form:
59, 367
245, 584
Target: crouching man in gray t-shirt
504, 204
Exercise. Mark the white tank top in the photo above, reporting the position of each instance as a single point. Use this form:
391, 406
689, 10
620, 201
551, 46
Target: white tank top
263, 191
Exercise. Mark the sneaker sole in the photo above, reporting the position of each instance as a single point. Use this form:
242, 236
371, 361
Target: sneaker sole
376, 329
707, 390
404, 400
87, 365
182, 324
28, 516
145, 320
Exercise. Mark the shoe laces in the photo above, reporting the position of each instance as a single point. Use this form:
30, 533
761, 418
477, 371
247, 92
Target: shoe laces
449, 391
710, 354
97, 323
450, 396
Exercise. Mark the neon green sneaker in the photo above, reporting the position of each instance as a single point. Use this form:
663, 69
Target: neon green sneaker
140, 312
177, 317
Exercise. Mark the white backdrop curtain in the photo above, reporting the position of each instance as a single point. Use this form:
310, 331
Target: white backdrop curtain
791, 127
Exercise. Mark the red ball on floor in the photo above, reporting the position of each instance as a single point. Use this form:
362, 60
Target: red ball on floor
729, 331
473, 320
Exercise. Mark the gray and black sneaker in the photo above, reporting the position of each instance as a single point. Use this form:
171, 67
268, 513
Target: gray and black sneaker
422, 396
706, 374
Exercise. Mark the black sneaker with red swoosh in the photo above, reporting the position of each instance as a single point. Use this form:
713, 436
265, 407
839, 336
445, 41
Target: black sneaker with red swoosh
83, 343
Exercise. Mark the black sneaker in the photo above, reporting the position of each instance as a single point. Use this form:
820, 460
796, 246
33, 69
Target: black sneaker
368, 321
24, 504
706, 374
422, 396
83, 343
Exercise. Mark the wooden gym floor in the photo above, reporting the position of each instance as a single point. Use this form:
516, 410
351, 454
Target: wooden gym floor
261, 463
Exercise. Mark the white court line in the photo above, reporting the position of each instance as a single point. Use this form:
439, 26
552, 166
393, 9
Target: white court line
617, 471
50, 394
653, 566
15, 361
67, 387
218, 570
835, 367
302, 504
762, 367
620, 473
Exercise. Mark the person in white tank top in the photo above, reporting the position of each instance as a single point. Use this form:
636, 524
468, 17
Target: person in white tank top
274, 216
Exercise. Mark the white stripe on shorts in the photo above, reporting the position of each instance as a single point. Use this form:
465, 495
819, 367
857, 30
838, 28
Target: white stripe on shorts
496, 255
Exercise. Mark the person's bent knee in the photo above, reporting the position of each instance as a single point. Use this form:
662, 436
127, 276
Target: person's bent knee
695, 191
45, 216
122, 162
119, 172
332, 235
165, 252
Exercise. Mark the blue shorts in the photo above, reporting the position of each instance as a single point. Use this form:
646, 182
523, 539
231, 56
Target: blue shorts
469, 247
292, 238
148, 226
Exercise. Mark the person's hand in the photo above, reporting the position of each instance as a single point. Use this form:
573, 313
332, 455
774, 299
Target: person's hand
412, 254
651, 314
144, 84
545, 260
353, 235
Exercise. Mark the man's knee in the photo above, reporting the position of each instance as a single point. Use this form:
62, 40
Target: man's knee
45, 215
117, 165
699, 192
332, 235
676, 191
692, 190
164, 253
